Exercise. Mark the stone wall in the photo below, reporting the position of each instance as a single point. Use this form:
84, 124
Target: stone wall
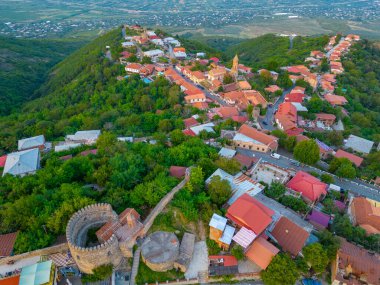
88, 258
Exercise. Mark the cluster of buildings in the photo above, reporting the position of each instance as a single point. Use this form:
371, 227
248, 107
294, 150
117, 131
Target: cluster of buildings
263, 227
27, 159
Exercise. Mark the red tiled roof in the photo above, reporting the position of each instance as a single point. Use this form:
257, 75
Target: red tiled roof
239, 119
272, 88
177, 171
290, 236
3, 159
352, 157
14, 280
261, 252
228, 112
361, 261
324, 116
190, 122
189, 132
245, 160
295, 97
308, 185
7, 242
228, 260
128, 212
88, 152
215, 59
298, 89
66, 157
250, 213
255, 134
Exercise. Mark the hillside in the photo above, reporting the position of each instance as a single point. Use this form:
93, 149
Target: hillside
24, 66
270, 51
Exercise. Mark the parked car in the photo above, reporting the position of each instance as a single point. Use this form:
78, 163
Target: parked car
275, 155
296, 163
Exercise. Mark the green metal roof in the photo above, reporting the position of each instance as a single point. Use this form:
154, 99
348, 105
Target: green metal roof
36, 274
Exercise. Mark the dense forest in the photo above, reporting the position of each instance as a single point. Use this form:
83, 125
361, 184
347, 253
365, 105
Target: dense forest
271, 52
25, 65
360, 84
84, 93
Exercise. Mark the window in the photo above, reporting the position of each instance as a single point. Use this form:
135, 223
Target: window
78, 257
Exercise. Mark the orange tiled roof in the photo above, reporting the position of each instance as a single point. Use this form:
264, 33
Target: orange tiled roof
244, 85
261, 252
366, 213
250, 213
255, 98
14, 280
335, 99
255, 134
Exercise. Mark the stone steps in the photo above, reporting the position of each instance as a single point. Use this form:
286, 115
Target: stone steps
135, 265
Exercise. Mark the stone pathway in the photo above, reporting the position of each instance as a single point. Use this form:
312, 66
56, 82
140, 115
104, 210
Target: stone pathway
135, 265
161, 205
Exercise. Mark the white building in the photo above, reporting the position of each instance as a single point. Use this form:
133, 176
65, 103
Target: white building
85, 137
209, 127
66, 146
22, 163
227, 152
359, 144
172, 41
240, 184
33, 142
157, 42
180, 54
150, 33
127, 44
154, 53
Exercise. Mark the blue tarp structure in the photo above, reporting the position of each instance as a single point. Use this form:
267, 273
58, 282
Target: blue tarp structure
147, 80
311, 282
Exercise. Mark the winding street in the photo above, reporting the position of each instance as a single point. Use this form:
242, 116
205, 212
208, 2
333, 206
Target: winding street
267, 122
356, 186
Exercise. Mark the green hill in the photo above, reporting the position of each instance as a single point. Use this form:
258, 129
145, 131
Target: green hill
270, 51
24, 66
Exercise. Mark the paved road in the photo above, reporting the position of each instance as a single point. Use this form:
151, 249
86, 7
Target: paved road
269, 117
355, 186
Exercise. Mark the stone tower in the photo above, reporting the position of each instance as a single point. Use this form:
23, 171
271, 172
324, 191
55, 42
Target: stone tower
234, 69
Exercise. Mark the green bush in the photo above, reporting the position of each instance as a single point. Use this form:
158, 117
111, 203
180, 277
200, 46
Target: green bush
99, 274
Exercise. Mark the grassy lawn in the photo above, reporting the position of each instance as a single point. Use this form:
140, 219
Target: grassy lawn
171, 221
145, 275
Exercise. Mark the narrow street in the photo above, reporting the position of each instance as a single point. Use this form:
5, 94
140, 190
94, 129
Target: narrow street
267, 122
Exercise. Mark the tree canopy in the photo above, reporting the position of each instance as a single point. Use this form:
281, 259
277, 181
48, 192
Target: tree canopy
307, 152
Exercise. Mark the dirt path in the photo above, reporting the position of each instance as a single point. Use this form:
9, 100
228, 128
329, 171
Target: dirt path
201, 230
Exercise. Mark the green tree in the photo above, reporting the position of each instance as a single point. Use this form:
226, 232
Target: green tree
327, 178
146, 60
249, 111
100, 273
177, 137
329, 242
231, 166
290, 143
238, 252
346, 170
227, 79
307, 152
324, 65
284, 80
316, 256
282, 270
196, 182
276, 190
219, 190
165, 125
106, 143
